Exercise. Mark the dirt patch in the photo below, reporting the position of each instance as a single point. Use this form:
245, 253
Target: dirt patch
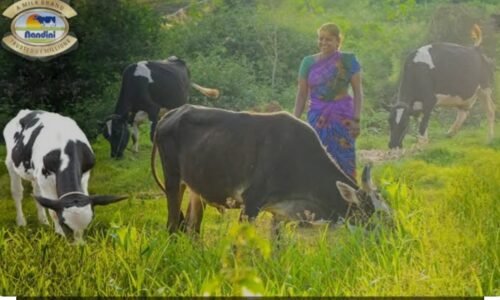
379, 155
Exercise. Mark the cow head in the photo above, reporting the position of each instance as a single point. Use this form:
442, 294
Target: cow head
75, 211
115, 130
399, 120
364, 201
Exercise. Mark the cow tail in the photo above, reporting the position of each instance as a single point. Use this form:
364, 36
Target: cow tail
476, 35
212, 93
153, 162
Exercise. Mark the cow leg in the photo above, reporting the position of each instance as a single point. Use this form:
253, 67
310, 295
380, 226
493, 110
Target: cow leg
194, 213
423, 137
135, 138
489, 107
173, 187
153, 117
57, 226
252, 199
42, 216
48, 190
459, 121
276, 228
16, 189
182, 220
424, 123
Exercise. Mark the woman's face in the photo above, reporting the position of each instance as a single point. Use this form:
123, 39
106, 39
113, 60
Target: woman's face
327, 42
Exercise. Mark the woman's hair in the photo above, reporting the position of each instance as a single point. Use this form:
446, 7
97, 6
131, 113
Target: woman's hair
332, 29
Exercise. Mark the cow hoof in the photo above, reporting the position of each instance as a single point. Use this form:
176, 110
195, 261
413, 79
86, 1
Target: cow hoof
422, 141
59, 231
43, 221
21, 222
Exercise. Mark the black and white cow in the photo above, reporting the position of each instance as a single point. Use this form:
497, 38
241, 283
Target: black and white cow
442, 74
273, 162
53, 153
148, 86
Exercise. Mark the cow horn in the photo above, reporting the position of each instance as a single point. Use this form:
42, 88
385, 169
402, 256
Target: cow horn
366, 179
49, 203
105, 199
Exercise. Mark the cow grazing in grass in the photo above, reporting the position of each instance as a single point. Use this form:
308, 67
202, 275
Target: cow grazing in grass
53, 153
148, 86
442, 74
272, 162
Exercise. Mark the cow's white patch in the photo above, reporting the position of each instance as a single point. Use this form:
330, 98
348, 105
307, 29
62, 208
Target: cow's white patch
399, 114
140, 117
424, 56
417, 106
27, 133
64, 161
455, 101
78, 218
108, 126
143, 71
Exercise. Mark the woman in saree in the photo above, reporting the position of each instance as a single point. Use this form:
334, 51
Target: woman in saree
324, 79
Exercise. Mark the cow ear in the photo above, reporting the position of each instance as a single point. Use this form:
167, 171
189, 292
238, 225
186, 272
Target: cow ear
348, 193
49, 203
105, 199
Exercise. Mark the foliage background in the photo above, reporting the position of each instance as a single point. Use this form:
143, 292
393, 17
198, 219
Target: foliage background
250, 50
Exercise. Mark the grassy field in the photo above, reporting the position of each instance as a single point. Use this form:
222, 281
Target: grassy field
445, 240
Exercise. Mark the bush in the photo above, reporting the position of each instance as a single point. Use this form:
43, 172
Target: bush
111, 35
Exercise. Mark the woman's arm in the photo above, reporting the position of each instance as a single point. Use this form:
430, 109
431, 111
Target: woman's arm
301, 98
357, 89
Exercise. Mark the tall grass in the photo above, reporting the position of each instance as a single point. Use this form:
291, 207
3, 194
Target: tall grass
444, 240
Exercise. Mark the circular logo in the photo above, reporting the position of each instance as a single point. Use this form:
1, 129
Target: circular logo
39, 27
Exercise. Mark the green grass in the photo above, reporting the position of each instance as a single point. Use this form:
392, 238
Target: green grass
445, 240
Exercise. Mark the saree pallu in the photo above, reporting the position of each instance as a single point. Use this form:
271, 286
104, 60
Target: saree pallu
332, 109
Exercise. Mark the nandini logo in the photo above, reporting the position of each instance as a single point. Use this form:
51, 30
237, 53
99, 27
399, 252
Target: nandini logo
40, 29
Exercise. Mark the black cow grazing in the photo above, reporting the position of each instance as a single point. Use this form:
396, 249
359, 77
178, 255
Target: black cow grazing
442, 74
149, 86
273, 162
54, 154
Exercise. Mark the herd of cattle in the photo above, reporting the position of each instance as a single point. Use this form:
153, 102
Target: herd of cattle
254, 161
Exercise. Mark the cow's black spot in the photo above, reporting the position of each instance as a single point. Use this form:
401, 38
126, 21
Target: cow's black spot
45, 172
29, 120
22, 153
17, 136
52, 162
